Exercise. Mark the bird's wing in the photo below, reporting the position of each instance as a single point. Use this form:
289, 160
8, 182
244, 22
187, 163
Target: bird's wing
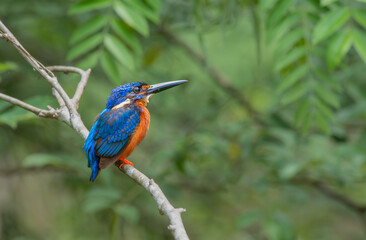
114, 130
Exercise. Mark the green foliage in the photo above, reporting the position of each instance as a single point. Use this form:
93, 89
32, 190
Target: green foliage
12, 115
110, 35
128, 212
300, 64
99, 199
299, 32
43, 160
249, 218
8, 66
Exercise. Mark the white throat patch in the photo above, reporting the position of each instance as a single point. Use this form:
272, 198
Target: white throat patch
122, 104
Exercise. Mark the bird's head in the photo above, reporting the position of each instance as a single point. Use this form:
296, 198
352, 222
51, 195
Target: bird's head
137, 92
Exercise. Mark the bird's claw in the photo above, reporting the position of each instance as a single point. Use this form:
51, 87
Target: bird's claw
125, 161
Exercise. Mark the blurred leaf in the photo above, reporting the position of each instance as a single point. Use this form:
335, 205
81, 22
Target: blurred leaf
305, 126
96, 205
89, 5
290, 58
359, 40
285, 136
266, 4
283, 28
43, 160
291, 78
132, 18
8, 66
155, 4
279, 228
295, 93
4, 105
324, 109
119, 51
16, 114
90, 60
327, 2
327, 95
128, 212
290, 170
98, 199
127, 35
152, 53
84, 47
291, 38
278, 12
302, 111
360, 16
141, 7
107, 193
330, 23
110, 68
331, 82
322, 123
249, 218
338, 48
93, 25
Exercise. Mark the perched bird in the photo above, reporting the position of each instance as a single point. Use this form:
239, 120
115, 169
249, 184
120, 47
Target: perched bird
122, 125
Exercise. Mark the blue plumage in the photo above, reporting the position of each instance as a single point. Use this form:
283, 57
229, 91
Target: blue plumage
113, 129
120, 94
109, 136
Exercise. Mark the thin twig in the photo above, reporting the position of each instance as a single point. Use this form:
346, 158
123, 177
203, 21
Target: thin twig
7, 35
40, 68
39, 112
82, 83
336, 196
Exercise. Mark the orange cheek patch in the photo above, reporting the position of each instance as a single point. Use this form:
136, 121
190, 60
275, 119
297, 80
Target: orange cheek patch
144, 88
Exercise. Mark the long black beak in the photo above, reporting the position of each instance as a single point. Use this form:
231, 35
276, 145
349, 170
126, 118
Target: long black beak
155, 88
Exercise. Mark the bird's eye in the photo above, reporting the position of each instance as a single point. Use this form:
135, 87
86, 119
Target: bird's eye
136, 89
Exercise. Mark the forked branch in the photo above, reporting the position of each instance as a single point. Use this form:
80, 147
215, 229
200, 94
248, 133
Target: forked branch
67, 113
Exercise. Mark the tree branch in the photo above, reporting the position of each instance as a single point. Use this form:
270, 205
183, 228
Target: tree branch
331, 193
218, 78
83, 81
164, 206
51, 113
68, 114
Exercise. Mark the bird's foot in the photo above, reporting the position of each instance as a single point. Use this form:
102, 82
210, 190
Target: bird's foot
125, 161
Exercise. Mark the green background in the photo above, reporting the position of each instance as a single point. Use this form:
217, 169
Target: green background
266, 141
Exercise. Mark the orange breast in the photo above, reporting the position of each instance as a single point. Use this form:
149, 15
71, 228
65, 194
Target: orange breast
140, 131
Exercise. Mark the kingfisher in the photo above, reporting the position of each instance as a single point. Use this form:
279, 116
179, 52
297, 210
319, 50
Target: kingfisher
122, 125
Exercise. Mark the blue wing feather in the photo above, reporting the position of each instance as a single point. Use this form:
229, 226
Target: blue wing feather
109, 136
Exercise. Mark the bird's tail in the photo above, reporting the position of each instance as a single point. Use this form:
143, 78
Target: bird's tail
94, 170
93, 159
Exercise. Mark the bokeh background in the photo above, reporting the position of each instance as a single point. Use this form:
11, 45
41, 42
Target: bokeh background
266, 141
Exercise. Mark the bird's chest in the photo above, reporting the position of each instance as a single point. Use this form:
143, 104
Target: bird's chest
140, 131
144, 124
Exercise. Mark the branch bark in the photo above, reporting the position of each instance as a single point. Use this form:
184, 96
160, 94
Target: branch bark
67, 113
336, 196
39, 112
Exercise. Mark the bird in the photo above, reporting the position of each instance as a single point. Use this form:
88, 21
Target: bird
122, 125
